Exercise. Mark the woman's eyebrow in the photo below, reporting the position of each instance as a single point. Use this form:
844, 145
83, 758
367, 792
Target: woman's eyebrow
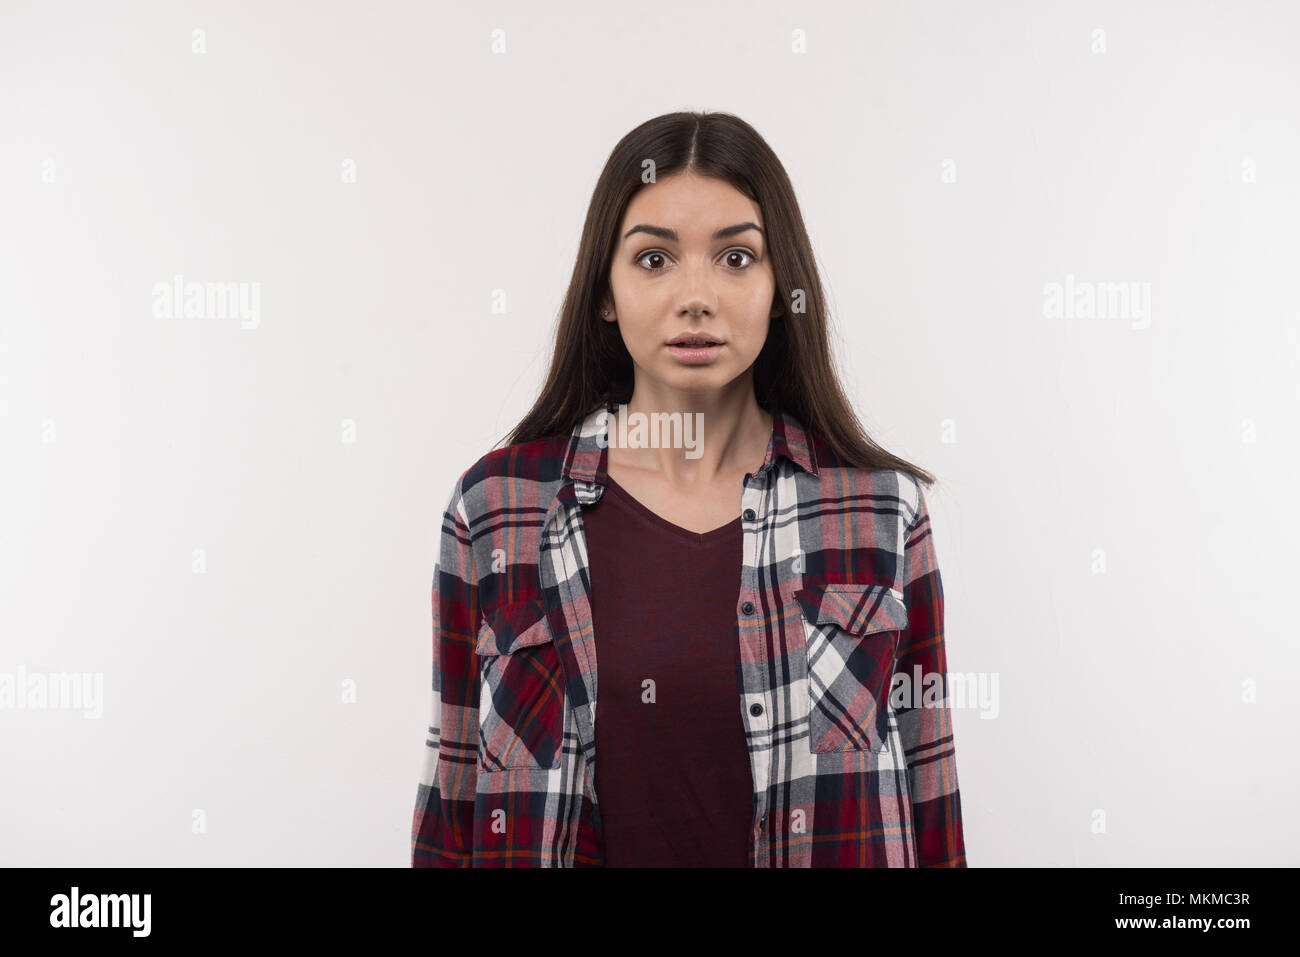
671, 234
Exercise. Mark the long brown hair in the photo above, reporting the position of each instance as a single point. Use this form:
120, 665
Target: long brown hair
794, 370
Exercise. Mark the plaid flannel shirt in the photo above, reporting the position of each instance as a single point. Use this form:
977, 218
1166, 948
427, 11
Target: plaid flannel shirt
839, 603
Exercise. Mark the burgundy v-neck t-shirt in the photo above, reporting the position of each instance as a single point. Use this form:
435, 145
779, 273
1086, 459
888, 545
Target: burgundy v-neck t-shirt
672, 766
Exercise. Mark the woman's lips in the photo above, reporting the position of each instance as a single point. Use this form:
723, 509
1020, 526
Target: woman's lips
696, 355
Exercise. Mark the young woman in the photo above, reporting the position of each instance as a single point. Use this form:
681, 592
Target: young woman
690, 614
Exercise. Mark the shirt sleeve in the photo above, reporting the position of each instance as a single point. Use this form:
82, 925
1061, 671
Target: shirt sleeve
442, 830
924, 721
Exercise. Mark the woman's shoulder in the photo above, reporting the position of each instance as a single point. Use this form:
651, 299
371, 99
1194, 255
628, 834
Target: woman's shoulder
518, 475
842, 481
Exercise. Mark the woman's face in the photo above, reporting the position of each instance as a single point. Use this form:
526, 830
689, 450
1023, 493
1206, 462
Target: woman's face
691, 258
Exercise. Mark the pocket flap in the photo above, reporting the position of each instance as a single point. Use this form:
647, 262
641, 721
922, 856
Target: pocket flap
860, 609
519, 624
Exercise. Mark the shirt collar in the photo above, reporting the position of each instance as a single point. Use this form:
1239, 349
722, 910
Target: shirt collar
585, 460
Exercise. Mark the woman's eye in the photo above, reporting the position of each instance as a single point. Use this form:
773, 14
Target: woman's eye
738, 252
730, 257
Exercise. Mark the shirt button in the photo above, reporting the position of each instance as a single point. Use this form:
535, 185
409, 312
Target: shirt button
755, 709
747, 608
749, 514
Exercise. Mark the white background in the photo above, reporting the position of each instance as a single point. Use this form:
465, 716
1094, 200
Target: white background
1166, 455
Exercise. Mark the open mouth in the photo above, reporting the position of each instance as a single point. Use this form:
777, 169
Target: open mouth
694, 352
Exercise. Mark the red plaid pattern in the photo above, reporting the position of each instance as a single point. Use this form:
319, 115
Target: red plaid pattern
839, 595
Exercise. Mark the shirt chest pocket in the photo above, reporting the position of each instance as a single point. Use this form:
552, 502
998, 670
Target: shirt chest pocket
851, 636
521, 691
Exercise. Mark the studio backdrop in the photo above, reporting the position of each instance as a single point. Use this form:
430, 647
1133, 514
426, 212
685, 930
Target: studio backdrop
272, 276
